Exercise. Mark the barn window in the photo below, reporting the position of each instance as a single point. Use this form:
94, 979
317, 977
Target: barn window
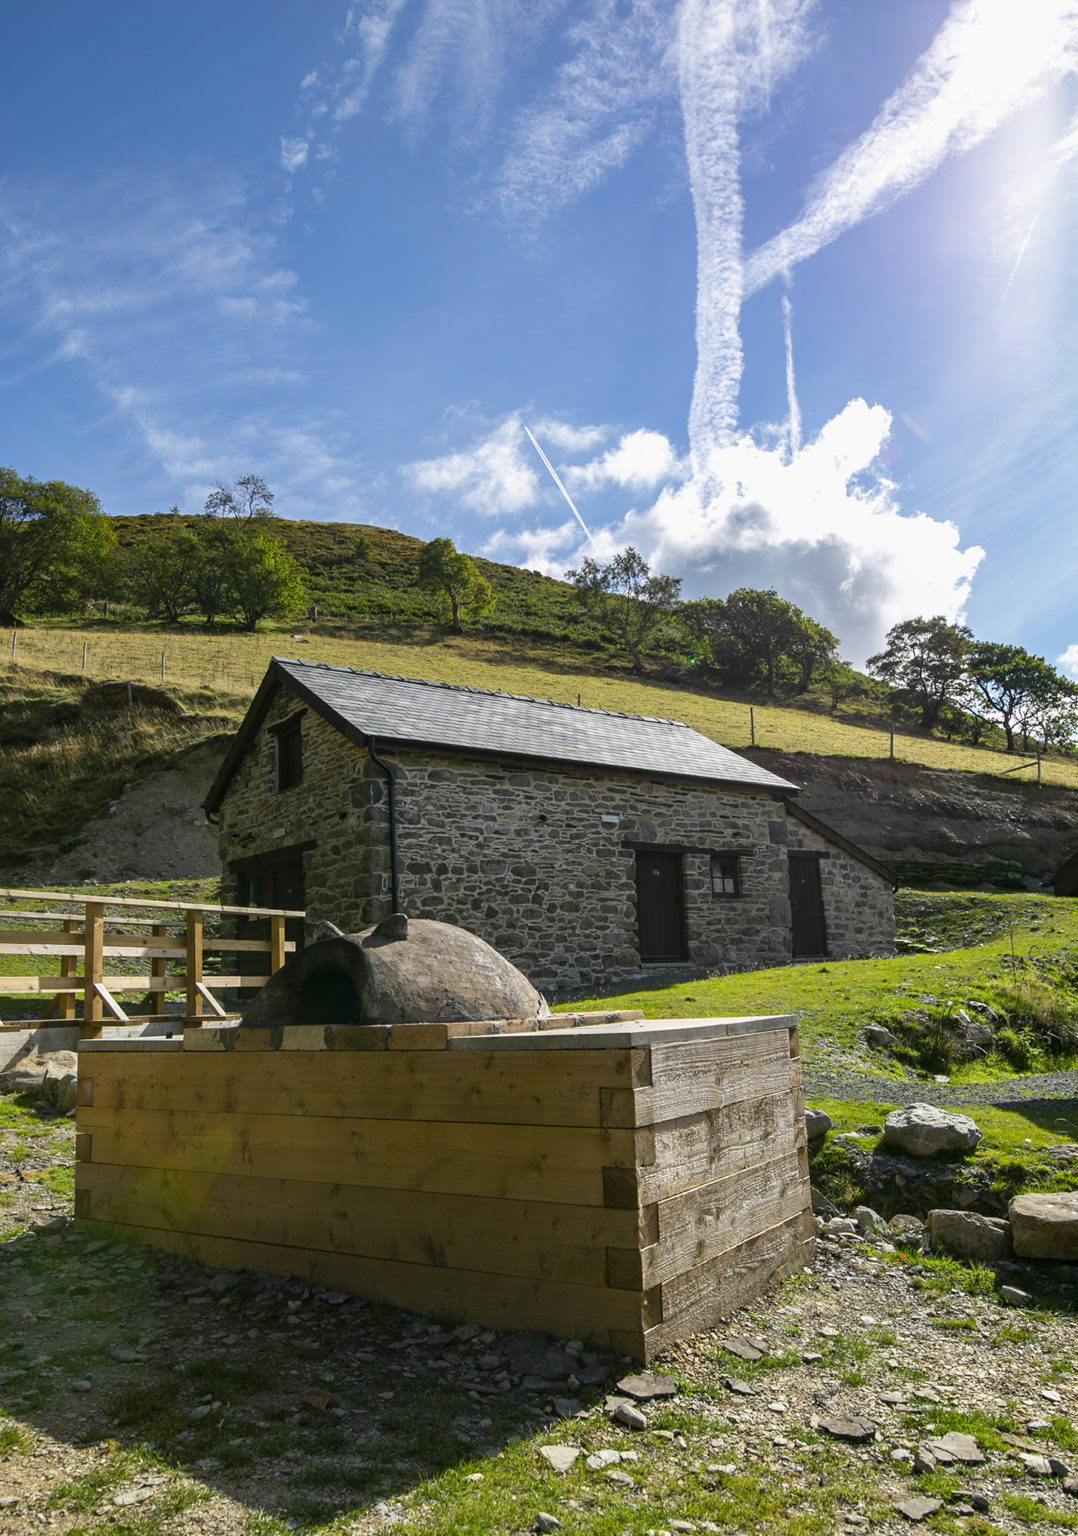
725, 876
289, 751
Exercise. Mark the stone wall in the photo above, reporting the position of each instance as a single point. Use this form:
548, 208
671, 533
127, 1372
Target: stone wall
858, 906
520, 854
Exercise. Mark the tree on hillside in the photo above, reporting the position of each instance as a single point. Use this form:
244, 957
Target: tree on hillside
160, 568
55, 546
248, 500
1013, 688
444, 570
626, 598
843, 682
212, 567
754, 638
924, 662
263, 579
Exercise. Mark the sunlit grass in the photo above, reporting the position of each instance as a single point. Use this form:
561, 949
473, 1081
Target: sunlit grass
553, 670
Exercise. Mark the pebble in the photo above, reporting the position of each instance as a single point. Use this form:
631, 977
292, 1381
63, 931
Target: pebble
599, 1460
631, 1417
735, 1384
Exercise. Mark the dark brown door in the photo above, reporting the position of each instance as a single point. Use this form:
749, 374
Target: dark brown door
658, 906
806, 905
279, 886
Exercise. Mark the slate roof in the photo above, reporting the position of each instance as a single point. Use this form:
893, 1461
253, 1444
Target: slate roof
406, 711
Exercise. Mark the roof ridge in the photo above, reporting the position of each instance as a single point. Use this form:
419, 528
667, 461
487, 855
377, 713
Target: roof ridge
488, 693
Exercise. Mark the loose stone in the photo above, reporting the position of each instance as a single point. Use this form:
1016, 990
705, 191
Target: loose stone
560, 1457
857, 1431
919, 1508
646, 1386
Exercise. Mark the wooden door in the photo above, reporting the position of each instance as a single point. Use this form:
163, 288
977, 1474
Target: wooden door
806, 905
659, 917
276, 885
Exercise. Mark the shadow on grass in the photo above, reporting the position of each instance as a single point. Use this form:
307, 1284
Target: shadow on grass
301, 1405
1059, 1116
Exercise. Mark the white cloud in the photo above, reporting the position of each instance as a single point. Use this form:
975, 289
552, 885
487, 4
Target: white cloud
642, 459
599, 109
1068, 662
570, 439
494, 477
548, 550
823, 526
294, 154
988, 60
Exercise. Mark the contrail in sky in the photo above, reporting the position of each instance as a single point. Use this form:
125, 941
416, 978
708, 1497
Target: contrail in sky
988, 60
791, 382
561, 488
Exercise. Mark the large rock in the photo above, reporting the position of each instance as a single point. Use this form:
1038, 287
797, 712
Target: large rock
59, 1087
922, 1130
986, 1238
1045, 1226
817, 1123
404, 971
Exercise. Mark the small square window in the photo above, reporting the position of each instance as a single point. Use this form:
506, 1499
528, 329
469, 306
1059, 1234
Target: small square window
725, 878
289, 758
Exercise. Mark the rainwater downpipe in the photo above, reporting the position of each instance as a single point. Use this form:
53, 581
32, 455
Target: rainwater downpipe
394, 874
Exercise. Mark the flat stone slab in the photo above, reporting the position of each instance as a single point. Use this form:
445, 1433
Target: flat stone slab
956, 1447
857, 1431
744, 1349
646, 1386
1045, 1226
560, 1457
619, 1037
919, 1508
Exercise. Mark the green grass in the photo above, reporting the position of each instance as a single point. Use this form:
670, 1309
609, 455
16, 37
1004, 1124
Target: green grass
1023, 1507
1028, 974
219, 672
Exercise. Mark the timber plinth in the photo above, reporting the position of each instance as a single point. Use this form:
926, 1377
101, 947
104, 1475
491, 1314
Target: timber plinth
603, 1177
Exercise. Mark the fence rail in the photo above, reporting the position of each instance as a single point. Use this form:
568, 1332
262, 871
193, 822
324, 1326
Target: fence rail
91, 947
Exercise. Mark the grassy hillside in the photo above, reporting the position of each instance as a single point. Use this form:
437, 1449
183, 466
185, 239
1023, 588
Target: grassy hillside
233, 664
357, 573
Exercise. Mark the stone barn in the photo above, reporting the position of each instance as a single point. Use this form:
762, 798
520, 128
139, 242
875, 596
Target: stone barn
586, 846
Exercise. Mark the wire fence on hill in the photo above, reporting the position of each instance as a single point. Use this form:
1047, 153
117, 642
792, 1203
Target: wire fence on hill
235, 664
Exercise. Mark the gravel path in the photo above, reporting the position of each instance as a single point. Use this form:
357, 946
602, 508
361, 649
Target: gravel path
1045, 1087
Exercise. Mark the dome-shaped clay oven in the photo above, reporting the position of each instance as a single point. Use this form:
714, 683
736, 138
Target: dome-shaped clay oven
404, 971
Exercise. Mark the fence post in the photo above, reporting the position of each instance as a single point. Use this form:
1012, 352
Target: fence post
752, 726
69, 966
276, 943
14, 646
157, 973
162, 666
194, 965
84, 646
93, 1009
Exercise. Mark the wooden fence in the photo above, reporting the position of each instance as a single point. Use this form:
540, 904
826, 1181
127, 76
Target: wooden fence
99, 954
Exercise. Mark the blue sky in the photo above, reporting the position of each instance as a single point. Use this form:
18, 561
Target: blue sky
783, 289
